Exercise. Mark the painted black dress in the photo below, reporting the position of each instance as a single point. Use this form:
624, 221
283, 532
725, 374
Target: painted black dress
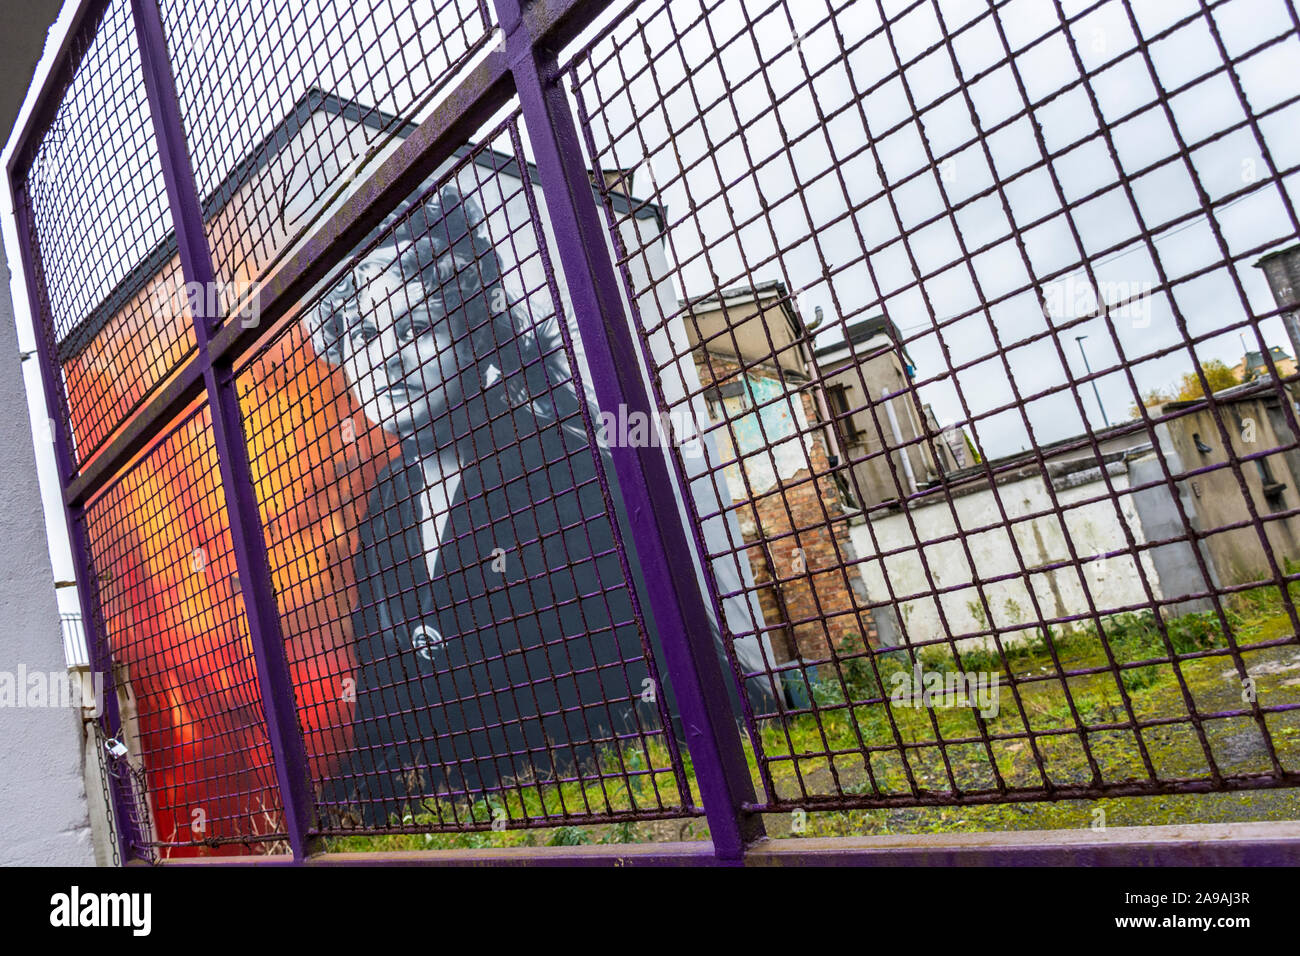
472, 677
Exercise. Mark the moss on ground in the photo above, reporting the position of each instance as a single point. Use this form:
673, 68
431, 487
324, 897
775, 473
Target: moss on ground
942, 747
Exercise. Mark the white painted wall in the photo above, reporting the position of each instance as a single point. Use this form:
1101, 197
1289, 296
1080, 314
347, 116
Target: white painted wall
43, 812
1094, 528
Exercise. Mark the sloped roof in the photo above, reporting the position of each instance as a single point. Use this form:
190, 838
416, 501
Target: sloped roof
863, 331
313, 101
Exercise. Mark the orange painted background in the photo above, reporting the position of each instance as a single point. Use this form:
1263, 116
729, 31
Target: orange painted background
168, 587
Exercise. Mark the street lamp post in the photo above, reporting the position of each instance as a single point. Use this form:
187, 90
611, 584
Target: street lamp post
1088, 368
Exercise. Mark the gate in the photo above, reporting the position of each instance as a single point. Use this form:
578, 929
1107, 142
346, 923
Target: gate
490, 418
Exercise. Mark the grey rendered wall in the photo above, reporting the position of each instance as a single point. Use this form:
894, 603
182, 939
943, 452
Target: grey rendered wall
43, 814
1157, 510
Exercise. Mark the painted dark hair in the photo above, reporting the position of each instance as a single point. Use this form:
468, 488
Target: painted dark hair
521, 364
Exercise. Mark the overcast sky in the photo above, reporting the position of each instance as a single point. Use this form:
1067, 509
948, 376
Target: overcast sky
705, 61
754, 135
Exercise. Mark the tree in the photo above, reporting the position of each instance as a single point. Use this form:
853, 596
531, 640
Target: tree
1152, 399
1217, 375
1188, 389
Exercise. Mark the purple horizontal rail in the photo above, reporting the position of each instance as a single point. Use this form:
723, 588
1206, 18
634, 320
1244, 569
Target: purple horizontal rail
1211, 844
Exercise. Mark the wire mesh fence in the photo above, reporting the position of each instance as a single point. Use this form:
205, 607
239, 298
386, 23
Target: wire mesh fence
283, 105
951, 344
855, 184
492, 667
93, 196
167, 590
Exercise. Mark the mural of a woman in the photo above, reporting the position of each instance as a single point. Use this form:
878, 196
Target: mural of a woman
494, 635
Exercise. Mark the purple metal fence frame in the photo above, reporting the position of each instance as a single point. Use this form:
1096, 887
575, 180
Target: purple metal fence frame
258, 592
130, 842
526, 67
658, 532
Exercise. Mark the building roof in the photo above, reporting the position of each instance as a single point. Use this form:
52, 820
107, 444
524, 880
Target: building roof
314, 100
1237, 393
1063, 458
1277, 254
863, 331
770, 289
759, 290
1254, 361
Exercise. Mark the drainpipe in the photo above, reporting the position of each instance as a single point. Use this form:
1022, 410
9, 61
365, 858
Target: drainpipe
803, 336
898, 441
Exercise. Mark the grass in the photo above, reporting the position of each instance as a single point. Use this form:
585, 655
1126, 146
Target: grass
940, 748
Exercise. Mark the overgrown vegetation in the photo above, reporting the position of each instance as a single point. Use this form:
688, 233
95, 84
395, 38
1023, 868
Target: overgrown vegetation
939, 748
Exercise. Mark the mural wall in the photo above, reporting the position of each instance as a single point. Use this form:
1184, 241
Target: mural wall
439, 537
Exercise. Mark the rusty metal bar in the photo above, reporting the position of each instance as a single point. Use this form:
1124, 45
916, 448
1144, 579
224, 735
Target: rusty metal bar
644, 476
256, 587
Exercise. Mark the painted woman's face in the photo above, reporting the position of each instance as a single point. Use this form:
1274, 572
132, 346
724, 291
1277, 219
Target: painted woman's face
399, 357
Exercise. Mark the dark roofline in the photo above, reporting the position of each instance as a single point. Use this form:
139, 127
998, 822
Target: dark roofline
1287, 251
756, 293
859, 332
1257, 357
1006, 465
1266, 386
769, 285
1060, 445
314, 100
1019, 465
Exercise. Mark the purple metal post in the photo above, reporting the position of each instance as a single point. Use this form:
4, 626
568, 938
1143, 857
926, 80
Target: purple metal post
256, 587
128, 836
657, 529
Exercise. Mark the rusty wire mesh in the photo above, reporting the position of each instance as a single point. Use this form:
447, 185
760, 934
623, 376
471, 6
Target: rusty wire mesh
910, 276
93, 195
171, 615
852, 184
503, 682
284, 103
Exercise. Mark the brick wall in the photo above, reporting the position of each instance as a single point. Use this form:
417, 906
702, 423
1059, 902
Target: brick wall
800, 545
